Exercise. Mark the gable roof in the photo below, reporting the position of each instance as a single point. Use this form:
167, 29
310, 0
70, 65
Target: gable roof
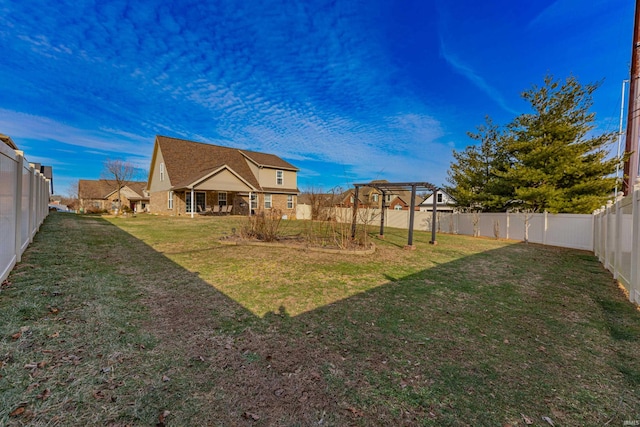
187, 162
138, 187
446, 199
267, 160
102, 188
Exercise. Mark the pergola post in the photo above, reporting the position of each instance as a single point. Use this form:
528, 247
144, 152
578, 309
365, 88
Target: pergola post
354, 217
381, 235
412, 215
434, 217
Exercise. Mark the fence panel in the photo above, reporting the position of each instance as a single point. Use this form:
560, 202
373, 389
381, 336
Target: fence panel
625, 242
24, 200
570, 231
8, 179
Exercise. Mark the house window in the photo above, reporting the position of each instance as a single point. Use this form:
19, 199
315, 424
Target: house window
254, 201
170, 200
161, 171
397, 207
279, 177
222, 199
351, 199
388, 197
289, 201
267, 201
439, 197
375, 197
200, 201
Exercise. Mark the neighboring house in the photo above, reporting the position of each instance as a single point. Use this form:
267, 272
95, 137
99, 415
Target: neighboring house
102, 195
187, 177
367, 197
444, 203
402, 201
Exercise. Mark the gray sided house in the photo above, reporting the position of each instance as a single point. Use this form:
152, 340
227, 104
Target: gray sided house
187, 178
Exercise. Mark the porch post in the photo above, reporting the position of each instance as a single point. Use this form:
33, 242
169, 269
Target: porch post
192, 202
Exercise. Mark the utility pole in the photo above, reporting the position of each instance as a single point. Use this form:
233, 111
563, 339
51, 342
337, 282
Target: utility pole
633, 117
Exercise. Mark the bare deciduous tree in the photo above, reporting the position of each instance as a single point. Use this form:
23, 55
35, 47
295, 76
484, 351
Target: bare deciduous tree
119, 173
72, 198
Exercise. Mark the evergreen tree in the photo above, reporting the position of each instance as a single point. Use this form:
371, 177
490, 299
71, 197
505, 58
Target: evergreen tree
555, 164
546, 160
473, 176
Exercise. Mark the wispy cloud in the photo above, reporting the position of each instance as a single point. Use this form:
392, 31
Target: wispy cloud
31, 127
470, 74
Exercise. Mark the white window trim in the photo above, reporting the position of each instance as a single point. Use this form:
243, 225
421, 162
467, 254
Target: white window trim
270, 201
222, 199
253, 201
279, 177
161, 171
289, 201
170, 200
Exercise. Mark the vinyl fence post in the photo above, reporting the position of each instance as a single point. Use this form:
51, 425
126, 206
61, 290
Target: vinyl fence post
18, 205
603, 235
617, 250
32, 186
546, 226
507, 236
634, 285
609, 236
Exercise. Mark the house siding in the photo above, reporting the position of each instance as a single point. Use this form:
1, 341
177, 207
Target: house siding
267, 178
155, 183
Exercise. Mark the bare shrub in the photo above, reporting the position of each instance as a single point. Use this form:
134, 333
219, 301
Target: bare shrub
264, 226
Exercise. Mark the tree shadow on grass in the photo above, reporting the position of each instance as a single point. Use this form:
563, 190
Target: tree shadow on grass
454, 344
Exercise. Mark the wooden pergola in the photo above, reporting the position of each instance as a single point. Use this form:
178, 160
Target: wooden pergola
390, 187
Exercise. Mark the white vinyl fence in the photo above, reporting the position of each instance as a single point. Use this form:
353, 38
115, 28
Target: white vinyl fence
617, 241
564, 230
24, 200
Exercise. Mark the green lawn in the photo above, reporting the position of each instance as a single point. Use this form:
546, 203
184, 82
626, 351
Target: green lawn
150, 320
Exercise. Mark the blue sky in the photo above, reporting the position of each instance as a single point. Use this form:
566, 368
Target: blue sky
346, 90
